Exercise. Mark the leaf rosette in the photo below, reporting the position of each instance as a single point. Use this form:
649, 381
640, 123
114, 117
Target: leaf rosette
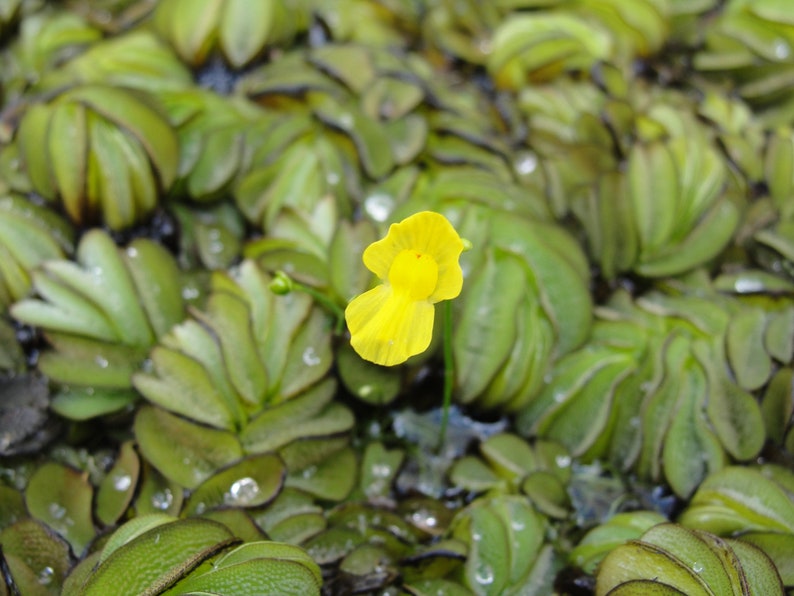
693, 362
246, 374
239, 29
752, 504
29, 235
103, 153
671, 559
101, 314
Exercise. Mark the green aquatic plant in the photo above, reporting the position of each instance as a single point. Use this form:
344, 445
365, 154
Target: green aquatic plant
688, 403
102, 152
101, 315
752, 504
230, 25
245, 374
622, 343
671, 559
29, 235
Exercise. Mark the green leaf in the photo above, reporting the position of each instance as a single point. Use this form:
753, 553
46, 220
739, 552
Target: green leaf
182, 385
257, 568
690, 448
182, 451
735, 414
331, 479
110, 284
60, 497
138, 119
84, 403
115, 492
250, 482
777, 406
485, 331
67, 151
33, 134
156, 559
45, 555
740, 499
229, 319
80, 361
745, 349
65, 309
157, 280
311, 414
244, 29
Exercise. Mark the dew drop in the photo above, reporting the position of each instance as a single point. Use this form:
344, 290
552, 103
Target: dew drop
517, 525
242, 492
562, 461
526, 163
782, 49
379, 206
122, 482
101, 362
484, 575
310, 357
189, 293
746, 286
163, 499
57, 511
697, 567
424, 519
45, 576
381, 470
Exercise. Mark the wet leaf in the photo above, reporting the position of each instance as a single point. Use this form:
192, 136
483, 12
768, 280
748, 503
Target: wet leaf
250, 482
46, 556
256, 568
84, 403
157, 558
379, 468
372, 384
60, 498
182, 451
116, 490
156, 493
330, 479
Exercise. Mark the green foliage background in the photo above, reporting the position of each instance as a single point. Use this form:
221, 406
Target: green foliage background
624, 171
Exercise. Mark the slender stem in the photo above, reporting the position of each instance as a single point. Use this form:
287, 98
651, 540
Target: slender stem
283, 284
449, 373
329, 304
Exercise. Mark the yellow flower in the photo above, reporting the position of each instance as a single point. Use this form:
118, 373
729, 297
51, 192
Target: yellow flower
418, 263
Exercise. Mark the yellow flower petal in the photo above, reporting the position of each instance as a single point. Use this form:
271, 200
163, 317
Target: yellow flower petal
430, 234
414, 273
388, 327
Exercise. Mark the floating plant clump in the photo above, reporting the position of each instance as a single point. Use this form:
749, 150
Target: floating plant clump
396, 298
